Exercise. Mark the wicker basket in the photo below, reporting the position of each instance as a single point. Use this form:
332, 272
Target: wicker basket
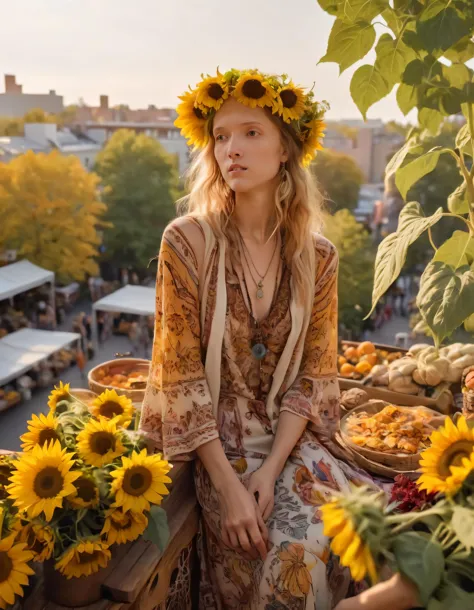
399, 462
116, 367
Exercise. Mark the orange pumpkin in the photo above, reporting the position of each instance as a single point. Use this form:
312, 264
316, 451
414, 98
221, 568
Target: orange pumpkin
372, 359
366, 347
347, 369
363, 368
341, 360
350, 353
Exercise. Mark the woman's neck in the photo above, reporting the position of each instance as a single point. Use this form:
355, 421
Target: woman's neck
254, 215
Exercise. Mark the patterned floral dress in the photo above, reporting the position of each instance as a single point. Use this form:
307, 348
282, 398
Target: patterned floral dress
178, 416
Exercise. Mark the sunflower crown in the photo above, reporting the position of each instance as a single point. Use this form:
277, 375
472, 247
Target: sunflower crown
281, 96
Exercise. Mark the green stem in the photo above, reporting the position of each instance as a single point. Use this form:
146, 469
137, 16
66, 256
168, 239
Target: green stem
469, 224
430, 236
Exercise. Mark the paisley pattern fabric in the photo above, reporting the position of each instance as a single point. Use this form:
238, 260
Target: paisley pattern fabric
178, 416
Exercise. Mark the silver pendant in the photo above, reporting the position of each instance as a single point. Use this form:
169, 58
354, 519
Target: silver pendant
259, 293
259, 351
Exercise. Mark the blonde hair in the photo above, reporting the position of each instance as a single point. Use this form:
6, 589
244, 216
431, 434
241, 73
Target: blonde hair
298, 206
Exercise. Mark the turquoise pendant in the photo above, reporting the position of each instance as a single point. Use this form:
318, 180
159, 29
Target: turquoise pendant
259, 351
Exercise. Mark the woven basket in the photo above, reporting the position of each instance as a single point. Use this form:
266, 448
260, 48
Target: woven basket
120, 366
399, 462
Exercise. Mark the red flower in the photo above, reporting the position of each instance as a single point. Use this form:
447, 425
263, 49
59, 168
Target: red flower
408, 496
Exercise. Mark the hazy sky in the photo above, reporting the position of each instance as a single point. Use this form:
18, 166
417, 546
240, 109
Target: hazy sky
147, 51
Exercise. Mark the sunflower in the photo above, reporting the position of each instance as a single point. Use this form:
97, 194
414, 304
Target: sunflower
84, 558
192, 120
292, 102
86, 494
39, 539
212, 92
14, 570
140, 481
99, 443
111, 405
41, 479
41, 430
347, 543
450, 444
58, 394
252, 89
6, 468
313, 134
121, 527
460, 473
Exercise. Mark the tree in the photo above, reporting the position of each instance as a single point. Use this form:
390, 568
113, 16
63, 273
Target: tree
356, 260
11, 127
425, 51
50, 213
140, 183
339, 177
38, 115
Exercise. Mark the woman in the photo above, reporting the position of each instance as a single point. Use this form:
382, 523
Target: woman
243, 375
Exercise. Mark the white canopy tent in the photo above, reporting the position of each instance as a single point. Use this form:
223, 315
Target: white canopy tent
21, 350
137, 300
22, 276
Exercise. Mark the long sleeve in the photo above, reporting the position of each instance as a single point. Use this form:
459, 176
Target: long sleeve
177, 411
315, 393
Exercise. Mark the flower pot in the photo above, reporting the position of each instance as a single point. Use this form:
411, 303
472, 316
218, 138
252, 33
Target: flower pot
74, 592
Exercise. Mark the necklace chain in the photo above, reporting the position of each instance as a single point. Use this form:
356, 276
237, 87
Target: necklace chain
246, 251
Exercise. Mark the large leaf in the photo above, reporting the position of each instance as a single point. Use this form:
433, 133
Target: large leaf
406, 97
348, 43
354, 10
411, 147
463, 525
461, 52
367, 87
456, 74
391, 253
457, 251
421, 560
430, 119
392, 58
443, 30
445, 298
416, 169
458, 202
463, 140
469, 324
157, 530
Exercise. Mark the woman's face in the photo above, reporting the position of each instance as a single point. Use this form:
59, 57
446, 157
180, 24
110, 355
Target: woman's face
248, 147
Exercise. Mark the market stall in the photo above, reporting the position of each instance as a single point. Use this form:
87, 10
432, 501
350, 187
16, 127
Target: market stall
135, 300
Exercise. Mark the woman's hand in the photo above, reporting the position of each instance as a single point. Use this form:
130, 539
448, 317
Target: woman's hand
262, 487
242, 525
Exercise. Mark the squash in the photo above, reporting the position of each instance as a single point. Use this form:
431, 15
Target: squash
347, 370
372, 359
363, 368
366, 347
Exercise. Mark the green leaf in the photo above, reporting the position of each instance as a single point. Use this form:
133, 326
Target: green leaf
157, 530
391, 253
445, 298
456, 74
421, 560
457, 201
348, 43
354, 10
469, 324
461, 52
451, 100
431, 9
463, 137
430, 120
392, 58
414, 73
413, 171
367, 87
463, 525
411, 147
443, 30
406, 97
457, 251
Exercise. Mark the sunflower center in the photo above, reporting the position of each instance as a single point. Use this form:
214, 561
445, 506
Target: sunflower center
88, 557
101, 442
124, 524
454, 455
215, 91
137, 480
5, 474
46, 435
199, 113
6, 566
86, 489
111, 409
48, 482
253, 88
289, 98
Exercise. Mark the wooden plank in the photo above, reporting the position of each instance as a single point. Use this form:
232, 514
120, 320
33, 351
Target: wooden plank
139, 573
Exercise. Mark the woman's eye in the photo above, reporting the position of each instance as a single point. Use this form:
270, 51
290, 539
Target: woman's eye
219, 138
253, 132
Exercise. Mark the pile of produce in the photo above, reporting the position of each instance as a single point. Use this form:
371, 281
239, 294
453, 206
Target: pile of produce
358, 362
125, 381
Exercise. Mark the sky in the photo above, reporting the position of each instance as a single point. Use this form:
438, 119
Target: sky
143, 52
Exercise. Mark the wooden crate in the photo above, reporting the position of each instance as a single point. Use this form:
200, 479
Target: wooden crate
382, 346
144, 578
